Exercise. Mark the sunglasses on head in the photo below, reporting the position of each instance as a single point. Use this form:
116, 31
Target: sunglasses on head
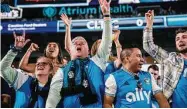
139, 84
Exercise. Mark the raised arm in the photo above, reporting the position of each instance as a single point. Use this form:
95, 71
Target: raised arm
102, 55
106, 42
155, 51
118, 47
10, 74
24, 63
67, 41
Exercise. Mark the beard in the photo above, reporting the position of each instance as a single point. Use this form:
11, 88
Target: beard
182, 51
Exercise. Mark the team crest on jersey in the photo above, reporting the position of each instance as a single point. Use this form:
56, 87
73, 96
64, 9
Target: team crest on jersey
147, 81
85, 83
71, 74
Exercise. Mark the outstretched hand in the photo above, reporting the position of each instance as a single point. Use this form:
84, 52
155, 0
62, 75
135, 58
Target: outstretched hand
149, 17
105, 6
65, 19
19, 41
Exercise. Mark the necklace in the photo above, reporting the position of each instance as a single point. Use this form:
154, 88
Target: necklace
136, 77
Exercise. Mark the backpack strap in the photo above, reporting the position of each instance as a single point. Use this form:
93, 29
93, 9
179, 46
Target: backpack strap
34, 95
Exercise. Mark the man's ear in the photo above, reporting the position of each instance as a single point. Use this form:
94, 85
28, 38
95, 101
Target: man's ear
127, 59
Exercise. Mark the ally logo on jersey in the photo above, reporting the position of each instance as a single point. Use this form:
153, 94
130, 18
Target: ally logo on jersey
138, 95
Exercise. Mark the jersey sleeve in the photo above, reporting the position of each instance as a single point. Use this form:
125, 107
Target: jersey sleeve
110, 86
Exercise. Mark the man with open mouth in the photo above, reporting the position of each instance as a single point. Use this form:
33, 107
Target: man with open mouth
82, 82
174, 64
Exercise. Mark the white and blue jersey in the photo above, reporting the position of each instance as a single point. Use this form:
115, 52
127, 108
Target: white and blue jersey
23, 95
123, 86
20, 81
179, 97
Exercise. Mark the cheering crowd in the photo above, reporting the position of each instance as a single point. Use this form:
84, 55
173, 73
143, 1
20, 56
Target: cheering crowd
101, 80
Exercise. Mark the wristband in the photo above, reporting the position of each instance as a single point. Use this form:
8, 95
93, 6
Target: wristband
107, 15
14, 49
147, 28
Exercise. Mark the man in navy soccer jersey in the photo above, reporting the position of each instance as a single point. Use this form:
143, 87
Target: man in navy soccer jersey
173, 64
82, 82
131, 87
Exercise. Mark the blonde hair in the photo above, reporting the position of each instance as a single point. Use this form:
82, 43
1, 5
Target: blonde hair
95, 47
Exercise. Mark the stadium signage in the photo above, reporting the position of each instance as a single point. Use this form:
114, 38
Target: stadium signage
93, 24
98, 24
33, 27
86, 10
9, 12
95, 10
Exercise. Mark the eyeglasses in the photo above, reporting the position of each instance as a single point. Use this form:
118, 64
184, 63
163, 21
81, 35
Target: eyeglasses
42, 63
139, 84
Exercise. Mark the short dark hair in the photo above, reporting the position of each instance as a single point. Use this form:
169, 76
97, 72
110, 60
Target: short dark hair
126, 52
154, 67
180, 30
